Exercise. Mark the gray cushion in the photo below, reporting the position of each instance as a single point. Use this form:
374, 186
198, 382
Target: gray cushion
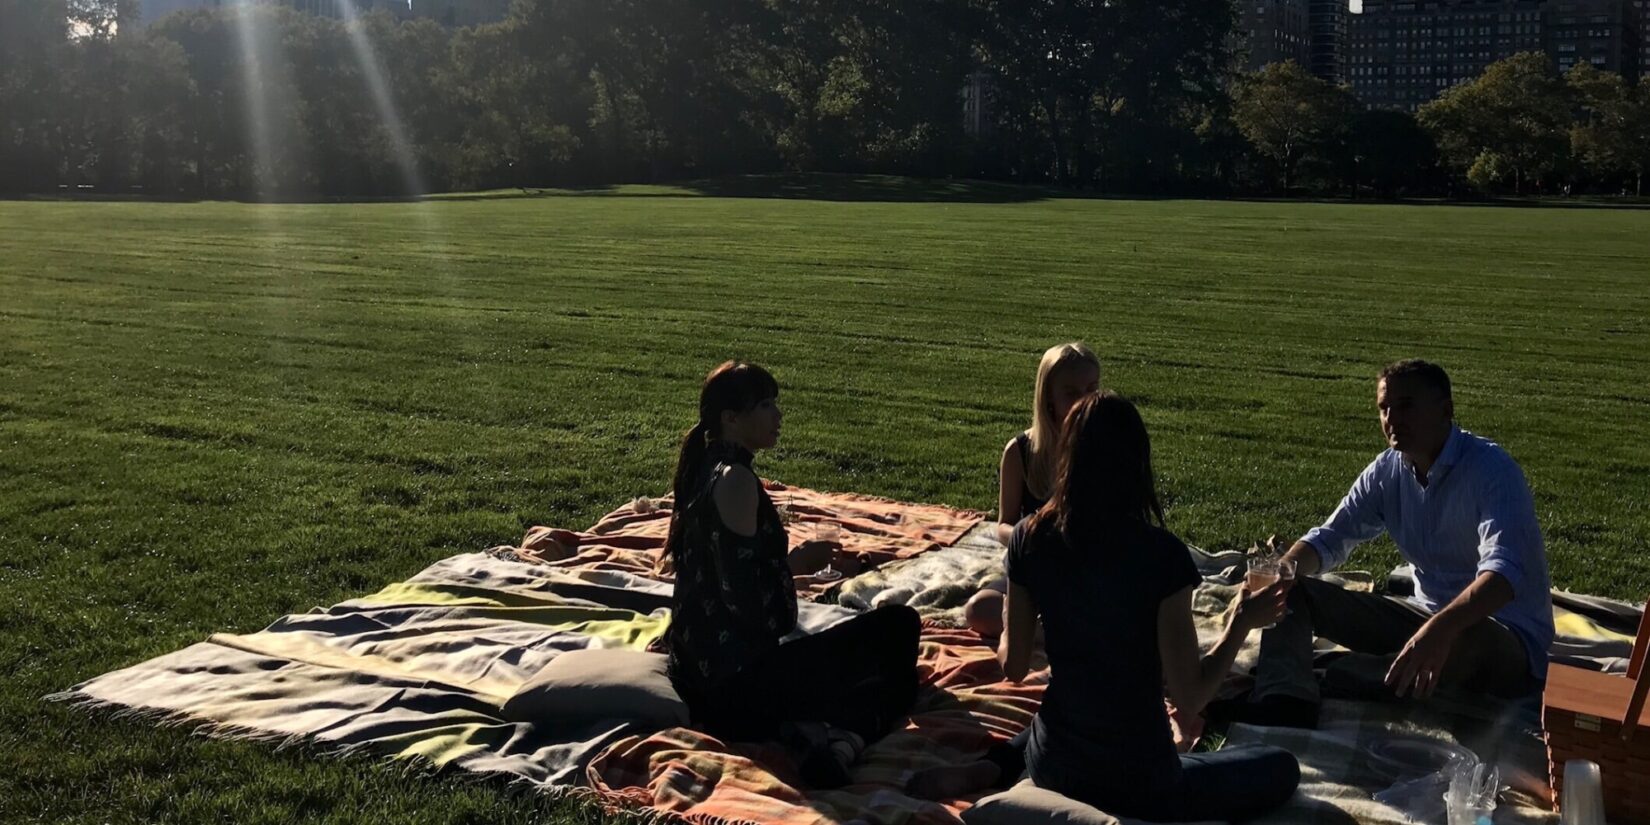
1027, 804
597, 683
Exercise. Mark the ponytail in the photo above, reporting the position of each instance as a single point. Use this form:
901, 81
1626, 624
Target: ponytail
688, 466
688, 460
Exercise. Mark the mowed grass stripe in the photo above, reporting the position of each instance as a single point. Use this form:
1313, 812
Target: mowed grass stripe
213, 414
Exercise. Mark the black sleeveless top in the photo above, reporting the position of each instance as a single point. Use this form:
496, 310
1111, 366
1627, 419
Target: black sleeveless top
1029, 502
734, 595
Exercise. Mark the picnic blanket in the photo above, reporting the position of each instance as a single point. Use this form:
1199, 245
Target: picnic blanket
1341, 770
418, 671
874, 530
966, 707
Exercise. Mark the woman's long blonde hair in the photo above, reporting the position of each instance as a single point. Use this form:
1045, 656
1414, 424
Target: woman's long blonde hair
1045, 431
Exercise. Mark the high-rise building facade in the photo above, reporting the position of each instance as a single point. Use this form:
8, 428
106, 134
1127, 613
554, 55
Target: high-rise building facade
1274, 31
1404, 53
1328, 21
1642, 8
1604, 33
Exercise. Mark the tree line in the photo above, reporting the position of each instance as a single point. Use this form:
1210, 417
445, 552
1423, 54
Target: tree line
1127, 96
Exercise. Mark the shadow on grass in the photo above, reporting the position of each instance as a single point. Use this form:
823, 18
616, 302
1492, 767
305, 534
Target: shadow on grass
872, 189
851, 188
812, 187
1492, 202
531, 192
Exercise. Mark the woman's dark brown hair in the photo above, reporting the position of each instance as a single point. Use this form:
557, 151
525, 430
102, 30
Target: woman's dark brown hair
733, 385
1104, 474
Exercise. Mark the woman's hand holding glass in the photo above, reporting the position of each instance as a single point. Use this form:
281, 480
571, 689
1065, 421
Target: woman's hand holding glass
1257, 609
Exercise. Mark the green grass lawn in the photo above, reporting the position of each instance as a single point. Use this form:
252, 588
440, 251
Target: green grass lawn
214, 414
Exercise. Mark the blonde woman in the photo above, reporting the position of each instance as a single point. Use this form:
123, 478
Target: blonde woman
1067, 374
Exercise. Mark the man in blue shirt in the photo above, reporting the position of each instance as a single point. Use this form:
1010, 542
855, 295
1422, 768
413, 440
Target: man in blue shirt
1460, 511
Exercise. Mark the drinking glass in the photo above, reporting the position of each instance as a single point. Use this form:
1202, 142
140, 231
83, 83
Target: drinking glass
1286, 572
831, 532
1265, 571
828, 531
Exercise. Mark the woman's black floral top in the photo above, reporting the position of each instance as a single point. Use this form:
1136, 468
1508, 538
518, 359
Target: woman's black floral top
734, 597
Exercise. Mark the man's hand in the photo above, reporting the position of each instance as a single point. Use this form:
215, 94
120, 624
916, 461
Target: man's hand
1306, 560
1420, 664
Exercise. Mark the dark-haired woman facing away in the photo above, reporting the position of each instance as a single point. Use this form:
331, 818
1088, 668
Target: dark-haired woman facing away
1114, 592
826, 694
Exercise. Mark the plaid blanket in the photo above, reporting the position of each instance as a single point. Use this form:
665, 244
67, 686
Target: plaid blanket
419, 669
965, 707
1341, 771
874, 530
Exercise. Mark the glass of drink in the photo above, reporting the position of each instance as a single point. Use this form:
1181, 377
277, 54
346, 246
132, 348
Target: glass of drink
828, 531
1265, 571
1286, 570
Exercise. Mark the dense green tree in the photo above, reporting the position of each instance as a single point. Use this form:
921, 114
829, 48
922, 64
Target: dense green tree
839, 85
1612, 136
1511, 122
515, 113
1124, 95
1390, 152
1088, 91
1289, 116
34, 51
121, 113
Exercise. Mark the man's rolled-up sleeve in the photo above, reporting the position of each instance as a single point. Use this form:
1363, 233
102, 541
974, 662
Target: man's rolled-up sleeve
1507, 529
1356, 520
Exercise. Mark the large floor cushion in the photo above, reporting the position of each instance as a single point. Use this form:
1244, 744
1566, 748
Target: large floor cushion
600, 684
1027, 804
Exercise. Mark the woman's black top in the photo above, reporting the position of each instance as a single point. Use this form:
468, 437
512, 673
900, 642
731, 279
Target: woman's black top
1029, 501
1103, 713
734, 596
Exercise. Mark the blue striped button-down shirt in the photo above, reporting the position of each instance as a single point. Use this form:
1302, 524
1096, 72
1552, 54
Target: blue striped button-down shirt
1474, 515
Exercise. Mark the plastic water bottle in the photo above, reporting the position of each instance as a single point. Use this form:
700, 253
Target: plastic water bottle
1583, 799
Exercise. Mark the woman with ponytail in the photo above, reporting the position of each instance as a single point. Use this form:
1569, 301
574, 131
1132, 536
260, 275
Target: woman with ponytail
827, 694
